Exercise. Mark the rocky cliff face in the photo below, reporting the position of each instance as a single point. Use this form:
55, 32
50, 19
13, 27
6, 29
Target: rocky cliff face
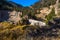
12, 16
15, 16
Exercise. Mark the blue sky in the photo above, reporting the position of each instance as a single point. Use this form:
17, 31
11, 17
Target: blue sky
25, 2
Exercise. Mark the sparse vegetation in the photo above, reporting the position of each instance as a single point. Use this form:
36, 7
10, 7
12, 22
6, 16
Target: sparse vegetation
22, 32
25, 31
50, 16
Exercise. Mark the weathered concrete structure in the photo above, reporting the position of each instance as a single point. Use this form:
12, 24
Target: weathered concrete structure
37, 23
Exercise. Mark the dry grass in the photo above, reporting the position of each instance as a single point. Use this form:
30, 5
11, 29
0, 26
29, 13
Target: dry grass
22, 32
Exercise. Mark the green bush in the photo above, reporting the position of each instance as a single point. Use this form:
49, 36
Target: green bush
51, 15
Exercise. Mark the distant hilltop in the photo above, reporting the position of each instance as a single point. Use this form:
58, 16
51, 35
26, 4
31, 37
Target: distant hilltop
12, 5
9, 5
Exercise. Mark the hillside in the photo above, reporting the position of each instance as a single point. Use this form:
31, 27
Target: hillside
44, 3
28, 32
24, 31
9, 5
